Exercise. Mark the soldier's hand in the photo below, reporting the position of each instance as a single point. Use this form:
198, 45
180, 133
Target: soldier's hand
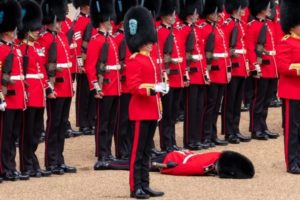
52, 95
99, 95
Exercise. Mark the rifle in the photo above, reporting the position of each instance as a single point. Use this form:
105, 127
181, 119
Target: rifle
168, 47
52, 57
168, 165
190, 42
86, 38
261, 43
234, 35
210, 45
7, 68
26, 60
122, 56
70, 32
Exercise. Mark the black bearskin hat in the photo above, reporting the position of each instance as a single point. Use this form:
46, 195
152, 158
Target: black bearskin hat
211, 6
168, 7
52, 9
290, 15
139, 28
78, 3
154, 6
187, 7
232, 5
10, 16
39, 2
256, 6
234, 165
32, 20
122, 6
101, 11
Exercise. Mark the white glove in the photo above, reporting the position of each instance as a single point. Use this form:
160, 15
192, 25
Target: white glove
162, 88
3, 105
258, 70
79, 61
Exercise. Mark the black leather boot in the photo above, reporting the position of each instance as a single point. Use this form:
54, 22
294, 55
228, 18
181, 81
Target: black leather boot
139, 194
152, 193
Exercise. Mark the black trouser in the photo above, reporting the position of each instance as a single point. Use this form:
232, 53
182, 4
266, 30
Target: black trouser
214, 97
263, 93
30, 139
248, 91
194, 112
12, 128
292, 133
141, 154
106, 124
170, 104
85, 103
58, 113
231, 108
123, 136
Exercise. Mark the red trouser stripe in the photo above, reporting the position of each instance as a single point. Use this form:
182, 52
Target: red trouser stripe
49, 110
287, 132
133, 154
97, 129
1, 133
254, 104
187, 117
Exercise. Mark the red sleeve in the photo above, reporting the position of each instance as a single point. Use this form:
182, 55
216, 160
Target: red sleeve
93, 53
251, 41
134, 82
284, 59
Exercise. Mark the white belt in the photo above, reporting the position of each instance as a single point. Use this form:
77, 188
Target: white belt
270, 53
177, 60
35, 76
113, 67
73, 46
240, 51
159, 61
220, 55
64, 65
17, 78
197, 57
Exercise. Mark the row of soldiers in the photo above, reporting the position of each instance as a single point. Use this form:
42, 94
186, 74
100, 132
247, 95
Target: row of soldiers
204, 53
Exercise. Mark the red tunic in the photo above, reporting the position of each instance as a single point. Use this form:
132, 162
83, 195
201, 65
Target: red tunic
269, 70
238, 64
289, 80
176, 79
189, 163
142, 75
197, 68
63, 85
223, 63
119, 37
111, 85
36, 76
16, 91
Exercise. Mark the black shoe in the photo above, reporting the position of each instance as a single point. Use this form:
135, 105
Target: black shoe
68, 169
193, 147
22, 176
271, 135
219, 142
208, 142
258, 135
243, 138
139, 194
43, 173
157, 153
55, 170
294, 170
232, 139
177, 148
170, 149
101, 164
9, 176
75, 133
86, 130
32, 173
42, 137
1, 179
245, 108
152, 193
275, 103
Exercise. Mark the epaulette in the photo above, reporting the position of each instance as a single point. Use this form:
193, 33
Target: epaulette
116, 34
227, 21
202, 24
43, 33
285, 37
249, 23
158, 28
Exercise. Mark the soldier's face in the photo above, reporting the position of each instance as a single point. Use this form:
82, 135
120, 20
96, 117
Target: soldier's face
147, 47
34, 34
214, 17
296, 30
167, 19
58, 26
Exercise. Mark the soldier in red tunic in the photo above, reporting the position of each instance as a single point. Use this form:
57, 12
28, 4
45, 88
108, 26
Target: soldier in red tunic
235, 33
261, 50
103, 70
58, 65
36, 88
12, 90
219, 67
85, 101
123, 135
196, 66
171, 44
145, 85
289, 79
